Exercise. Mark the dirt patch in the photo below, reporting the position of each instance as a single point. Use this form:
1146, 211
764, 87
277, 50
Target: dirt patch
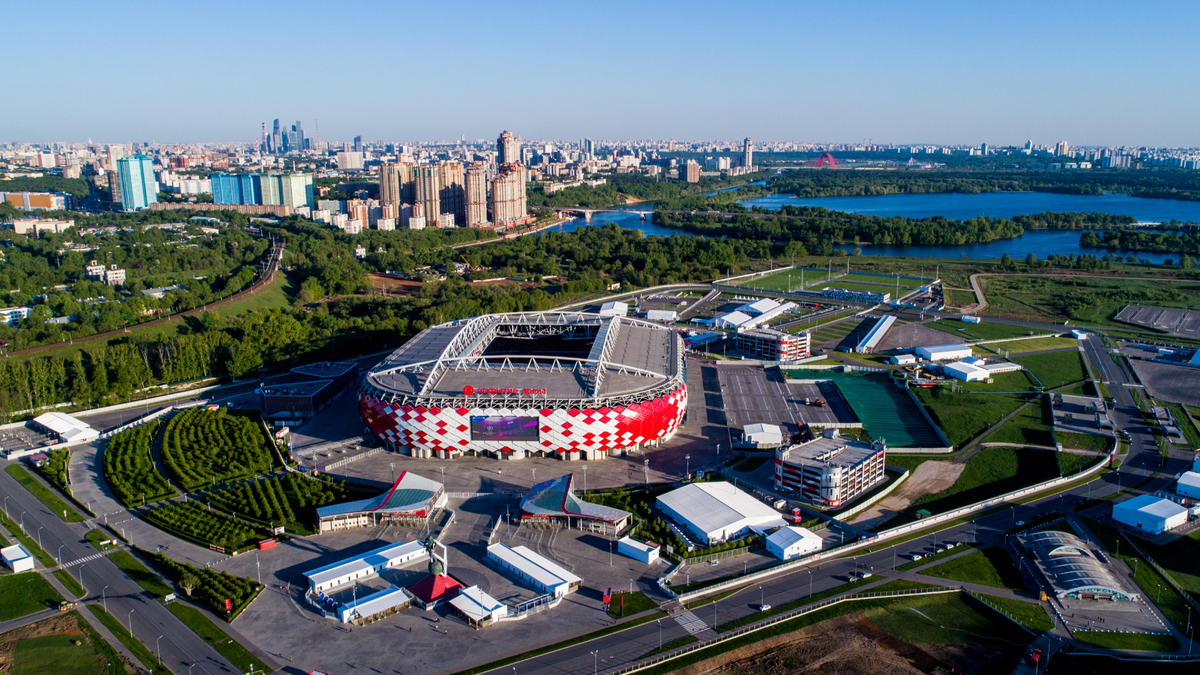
928, 478
848, 645
64, 624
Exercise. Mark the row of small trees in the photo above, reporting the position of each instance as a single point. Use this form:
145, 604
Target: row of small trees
207, 585
129, 467
203, 447
292, 498
192, 520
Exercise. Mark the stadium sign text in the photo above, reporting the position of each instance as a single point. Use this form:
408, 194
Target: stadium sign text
471, 391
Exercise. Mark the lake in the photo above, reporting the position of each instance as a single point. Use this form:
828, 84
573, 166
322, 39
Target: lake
1041, 243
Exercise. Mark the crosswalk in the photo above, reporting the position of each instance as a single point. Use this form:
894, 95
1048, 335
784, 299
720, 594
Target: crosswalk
80, 561
690, 622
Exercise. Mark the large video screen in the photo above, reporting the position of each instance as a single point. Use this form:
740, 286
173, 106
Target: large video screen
485, 428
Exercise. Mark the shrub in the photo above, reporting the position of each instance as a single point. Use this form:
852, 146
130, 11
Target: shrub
193, 521
211, 587
201, 447
129, 466
291, 498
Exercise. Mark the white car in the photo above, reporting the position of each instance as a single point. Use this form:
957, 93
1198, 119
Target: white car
764, 607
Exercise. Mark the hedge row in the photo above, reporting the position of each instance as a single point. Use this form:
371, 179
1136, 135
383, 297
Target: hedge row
291, 498
194, 521
55, 470
212, 587
202, 447
129, 466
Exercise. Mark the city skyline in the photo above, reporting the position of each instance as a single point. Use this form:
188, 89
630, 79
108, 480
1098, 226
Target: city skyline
930, 74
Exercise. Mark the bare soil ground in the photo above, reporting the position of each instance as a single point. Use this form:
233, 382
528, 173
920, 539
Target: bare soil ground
64, 624
928, 478
849, 645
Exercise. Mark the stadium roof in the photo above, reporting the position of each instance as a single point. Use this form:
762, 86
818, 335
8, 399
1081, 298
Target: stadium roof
556, 497
719, 506
68, 429
1068, 564
448, 360
410, 493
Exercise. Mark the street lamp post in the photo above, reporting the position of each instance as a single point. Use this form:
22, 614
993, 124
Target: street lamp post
23, 521
130, 618
585, 478
158, 646
660, 633
59, 558
40, 536
762, 597
688, 464
810, 583
6, 508
610, 553
595, 662
104, 598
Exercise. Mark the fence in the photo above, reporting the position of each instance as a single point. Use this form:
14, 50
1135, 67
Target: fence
871, 499
1163, 573
354, 458
780, 618
898, 531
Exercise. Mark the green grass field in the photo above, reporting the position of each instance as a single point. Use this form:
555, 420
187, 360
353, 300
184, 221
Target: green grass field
628, 604
121, 632
138, 572
56, 654
1073, 464
818, 279
930, 559
1054, 369
989, 472
69, 583
957, 297
990, 566
228, 647
1029, 614
1025, 346
1144, 642
279, 293
25, 593
964, 415
1083, 300
1070, 439
1185, 423
984, 330
1030, 426
43, 493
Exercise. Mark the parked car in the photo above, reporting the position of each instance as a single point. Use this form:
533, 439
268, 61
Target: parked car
764, 607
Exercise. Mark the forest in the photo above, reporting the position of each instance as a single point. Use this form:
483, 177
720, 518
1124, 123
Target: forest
622, 187
1186, 241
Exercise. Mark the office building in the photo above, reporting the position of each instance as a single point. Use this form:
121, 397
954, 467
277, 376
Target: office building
830, 470
508, 149
451, 195
427, 189
475, 195
136, 177
35, 201
508, 195
358, 144
690, 172
588, 147
768, 344
748, 153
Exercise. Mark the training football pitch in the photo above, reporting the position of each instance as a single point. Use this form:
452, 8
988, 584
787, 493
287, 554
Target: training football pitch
816, 280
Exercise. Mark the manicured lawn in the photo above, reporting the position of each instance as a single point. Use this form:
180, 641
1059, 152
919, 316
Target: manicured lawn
989, 472
628, 604
990, 566
121, 632
977, 406
278, 294
1026, 346
70, 583
1028, 427
25, 593
984, 330
228, 647
673, 644
1131, 641
56, 654
1073, 464
1029, 614
97, 536
138, 572
914, 564
959, 298
900, 585
43, 493
713, 598
789, 606
1054, 369
1070, 439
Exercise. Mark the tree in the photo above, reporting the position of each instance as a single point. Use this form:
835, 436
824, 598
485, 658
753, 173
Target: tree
1031, 260
188, 583
1006, 262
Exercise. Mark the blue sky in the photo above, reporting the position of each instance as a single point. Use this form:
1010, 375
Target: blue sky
1091, 73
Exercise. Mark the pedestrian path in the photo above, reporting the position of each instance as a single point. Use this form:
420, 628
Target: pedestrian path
690, 622
80, 561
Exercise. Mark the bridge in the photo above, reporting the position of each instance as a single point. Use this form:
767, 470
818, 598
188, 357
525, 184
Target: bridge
587, 213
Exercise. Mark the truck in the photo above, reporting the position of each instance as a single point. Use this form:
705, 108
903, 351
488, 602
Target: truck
66, 606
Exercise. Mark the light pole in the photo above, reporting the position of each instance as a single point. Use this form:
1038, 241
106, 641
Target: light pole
81, 573
688, 465
443, 477
131, 621
40, 536
762, 597
59, 558
810, 583
158, 646
104, 598
610, 553
6, 508
394, 472
585, 478
194, 665
659, 633
595, 662
23, 521
258, 567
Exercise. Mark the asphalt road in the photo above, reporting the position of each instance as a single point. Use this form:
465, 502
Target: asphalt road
126, 601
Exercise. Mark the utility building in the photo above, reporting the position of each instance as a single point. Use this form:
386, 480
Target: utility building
718, 511
787, 543
1150, 514
944, 352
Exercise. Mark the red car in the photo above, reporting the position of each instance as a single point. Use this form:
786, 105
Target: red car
1035, 656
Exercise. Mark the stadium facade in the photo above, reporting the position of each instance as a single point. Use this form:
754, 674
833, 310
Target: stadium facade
563, 384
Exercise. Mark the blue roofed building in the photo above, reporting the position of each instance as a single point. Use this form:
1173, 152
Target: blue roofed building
555, 500
412, 498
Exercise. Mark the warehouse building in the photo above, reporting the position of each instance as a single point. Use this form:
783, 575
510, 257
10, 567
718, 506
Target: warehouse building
967, 372
1150, 514
412, 499
717, 512
944, 352
533, 569
365, 565
765, 310
830, 471
769, 344
66, 429
646, 553
1188, 485
871, 340
614, 308
662, 315
791, 542
478, 608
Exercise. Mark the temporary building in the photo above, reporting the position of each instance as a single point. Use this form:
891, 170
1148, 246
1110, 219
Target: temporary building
792, 542
68, 429
763, 434
365, 566
646, 553
17, 558
1188, 485
477, 607
614, 308
662, 315
1150, 514
944, 352
718, 511
969, 372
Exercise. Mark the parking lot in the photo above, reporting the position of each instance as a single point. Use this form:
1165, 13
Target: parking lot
753, 394
23, 438
835, 410
1169, 382
1181, 322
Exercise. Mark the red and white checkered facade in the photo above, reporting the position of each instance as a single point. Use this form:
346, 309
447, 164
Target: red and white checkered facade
570, 433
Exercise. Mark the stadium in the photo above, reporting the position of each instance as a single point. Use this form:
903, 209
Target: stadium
562, 384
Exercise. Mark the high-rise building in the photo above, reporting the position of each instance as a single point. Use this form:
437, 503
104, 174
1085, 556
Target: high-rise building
451, 193
296, 190
508, 195
690, 172
1062, 149
114, 186
748, 153
244, 188
272, 190
395, 183
588, 148
276, 138
349, 160
476, 195
508, 148
138, 187
427, 187
115, 152
358, 144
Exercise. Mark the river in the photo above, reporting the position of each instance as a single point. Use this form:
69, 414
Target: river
1041, 243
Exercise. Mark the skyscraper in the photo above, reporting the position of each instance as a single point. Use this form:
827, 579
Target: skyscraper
138, 187
588, 148
244, 188
508, 195
509, 149
1062, 149
276, 138
296, 190
358, 146
476, 195
395, 184
747, 153
426, 192
451, 193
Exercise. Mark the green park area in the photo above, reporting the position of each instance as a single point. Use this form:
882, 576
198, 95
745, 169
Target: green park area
44, 494
1093, 301
201, 447
985, 330
129, 467
1031, 426
290, 500
1054, 369
958, 297
977, 406
25, 593
1011, 347
989, 566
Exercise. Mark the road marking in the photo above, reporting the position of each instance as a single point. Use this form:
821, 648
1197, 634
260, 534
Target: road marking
83, 560
690, 622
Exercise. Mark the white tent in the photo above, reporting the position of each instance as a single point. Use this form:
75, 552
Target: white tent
718, 511
763, 434
792, 542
